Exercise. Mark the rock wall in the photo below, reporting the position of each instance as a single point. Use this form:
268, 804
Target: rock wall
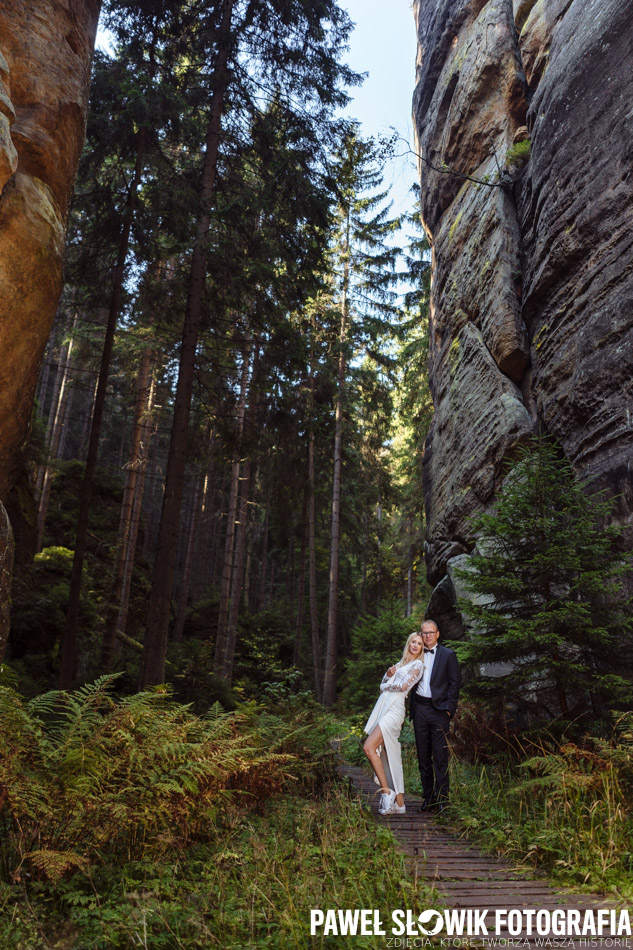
45, 54
532, 290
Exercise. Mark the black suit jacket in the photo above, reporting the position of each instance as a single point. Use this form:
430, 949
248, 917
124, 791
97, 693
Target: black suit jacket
445, 681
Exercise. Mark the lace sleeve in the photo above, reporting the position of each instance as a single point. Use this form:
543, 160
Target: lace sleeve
403, 679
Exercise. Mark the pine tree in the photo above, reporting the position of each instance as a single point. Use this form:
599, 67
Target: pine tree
547, 579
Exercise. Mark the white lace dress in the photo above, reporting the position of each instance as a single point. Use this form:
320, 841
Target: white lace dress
388, 713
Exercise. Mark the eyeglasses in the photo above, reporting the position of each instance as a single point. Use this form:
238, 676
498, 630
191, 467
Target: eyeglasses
428, 633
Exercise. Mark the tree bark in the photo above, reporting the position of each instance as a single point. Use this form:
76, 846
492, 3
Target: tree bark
57, 417
238, 578
183, 593
135, 470
204, 555
155, 651
72, 618
263, 570
314, 611
229, 544
331, 649
301, 586
139, 487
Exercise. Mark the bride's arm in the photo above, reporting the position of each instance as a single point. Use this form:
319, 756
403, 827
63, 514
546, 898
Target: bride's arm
387, 677
404, 678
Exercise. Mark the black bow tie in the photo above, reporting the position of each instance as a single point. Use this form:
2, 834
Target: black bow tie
426, 650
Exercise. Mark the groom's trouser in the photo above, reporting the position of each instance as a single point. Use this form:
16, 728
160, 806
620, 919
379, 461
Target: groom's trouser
431, 727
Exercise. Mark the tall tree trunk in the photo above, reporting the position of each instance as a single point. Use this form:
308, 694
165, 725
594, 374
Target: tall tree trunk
263, 570
249, 474
42, 386
203, 567
290, 561
248, 570
72, 618
69, 397
331, 647
302, 576
154, 476
270, 596
57, 417
139, 486
155, 647
144, 391
229, 544
88, 417
363, 584
379, 564
238, 577
314, 611
185, 585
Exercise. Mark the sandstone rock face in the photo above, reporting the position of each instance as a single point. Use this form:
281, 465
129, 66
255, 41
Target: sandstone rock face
6, 571
45, 53
532, 292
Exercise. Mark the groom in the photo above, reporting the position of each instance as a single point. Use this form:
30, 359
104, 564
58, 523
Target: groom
433, 705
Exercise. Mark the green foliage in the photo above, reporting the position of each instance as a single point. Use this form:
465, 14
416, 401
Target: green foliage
251, 886
234, 827
547, 579
84, 775
63, 509
563, 807
39, 615
518, 154
377, 642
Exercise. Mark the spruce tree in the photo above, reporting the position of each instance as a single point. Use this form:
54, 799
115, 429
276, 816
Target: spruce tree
549, 607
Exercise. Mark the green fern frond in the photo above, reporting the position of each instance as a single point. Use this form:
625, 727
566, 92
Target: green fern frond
54, 864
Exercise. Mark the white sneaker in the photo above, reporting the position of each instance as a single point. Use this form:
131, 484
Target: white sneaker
398, 809
387, 802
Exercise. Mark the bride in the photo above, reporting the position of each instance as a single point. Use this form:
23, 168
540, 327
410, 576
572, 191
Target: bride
382, 747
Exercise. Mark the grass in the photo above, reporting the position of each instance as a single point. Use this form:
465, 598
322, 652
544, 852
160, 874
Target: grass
580, 835
252, 887
561, 807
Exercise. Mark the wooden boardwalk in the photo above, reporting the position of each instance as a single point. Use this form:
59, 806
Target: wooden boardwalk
465, 877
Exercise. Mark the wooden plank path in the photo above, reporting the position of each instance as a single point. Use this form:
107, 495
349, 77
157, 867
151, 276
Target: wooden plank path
465, 877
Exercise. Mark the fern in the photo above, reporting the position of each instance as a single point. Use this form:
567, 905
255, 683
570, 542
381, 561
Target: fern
85, 773
54, 864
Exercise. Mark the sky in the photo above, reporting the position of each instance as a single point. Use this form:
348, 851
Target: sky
383, 44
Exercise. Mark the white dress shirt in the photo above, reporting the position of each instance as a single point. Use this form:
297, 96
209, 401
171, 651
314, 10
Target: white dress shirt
424, 686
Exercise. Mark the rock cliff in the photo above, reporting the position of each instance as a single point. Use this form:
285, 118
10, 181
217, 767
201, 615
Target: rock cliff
45, 54
522, 111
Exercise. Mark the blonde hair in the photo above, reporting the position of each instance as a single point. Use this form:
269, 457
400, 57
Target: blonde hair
405, 652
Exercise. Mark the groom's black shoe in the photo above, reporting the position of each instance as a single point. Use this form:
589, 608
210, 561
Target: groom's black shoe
427, 805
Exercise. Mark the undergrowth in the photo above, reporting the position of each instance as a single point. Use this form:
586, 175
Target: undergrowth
562, 807
133, 823
86, 776
252, 887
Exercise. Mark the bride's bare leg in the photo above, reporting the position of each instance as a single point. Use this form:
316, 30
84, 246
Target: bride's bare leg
400, 799
373, 741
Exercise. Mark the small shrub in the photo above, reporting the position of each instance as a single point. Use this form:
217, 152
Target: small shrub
518, 154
